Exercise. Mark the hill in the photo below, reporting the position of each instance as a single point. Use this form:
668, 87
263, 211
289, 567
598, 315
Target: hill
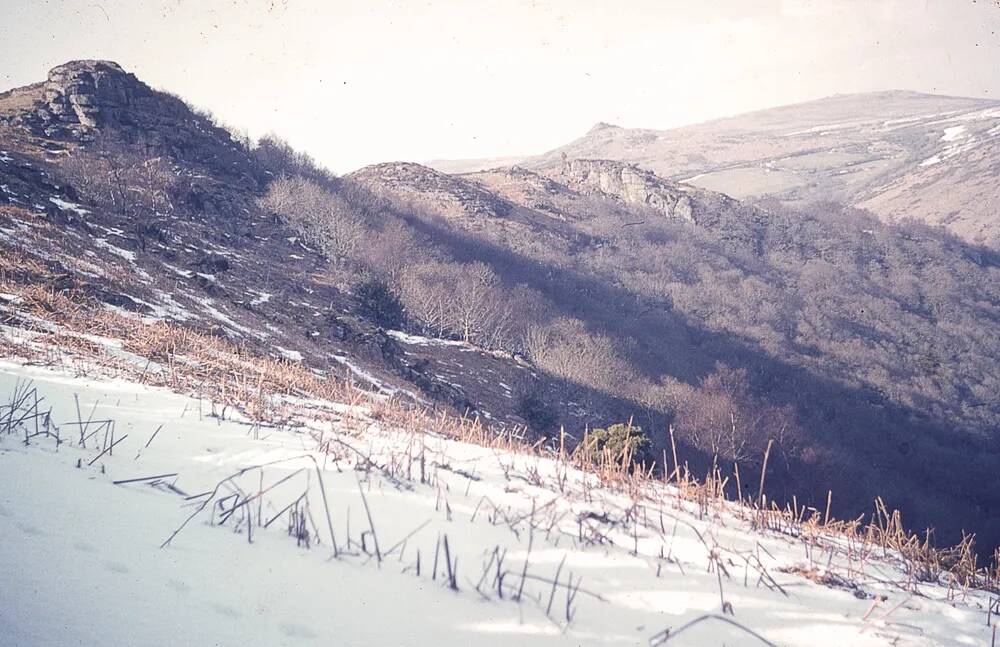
859, 356
898, 154
327, 520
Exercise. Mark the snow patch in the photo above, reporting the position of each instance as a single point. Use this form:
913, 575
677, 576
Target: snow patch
11, 298
176, 270
418, 340
291, 355
117, 251
952, 133
69, 206
823, 130
220, 316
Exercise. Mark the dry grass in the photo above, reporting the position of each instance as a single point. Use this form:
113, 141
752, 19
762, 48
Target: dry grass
232, 377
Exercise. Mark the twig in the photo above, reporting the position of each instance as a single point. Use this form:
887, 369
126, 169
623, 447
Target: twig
667, 635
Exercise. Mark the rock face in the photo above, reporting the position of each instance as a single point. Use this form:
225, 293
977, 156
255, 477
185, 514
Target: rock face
82, 101
81, 97
86, 92
447, 195
631, 185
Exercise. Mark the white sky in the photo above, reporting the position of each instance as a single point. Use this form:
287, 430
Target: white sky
360, 82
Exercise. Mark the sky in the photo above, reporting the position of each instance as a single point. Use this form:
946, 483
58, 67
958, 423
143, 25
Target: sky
360, 82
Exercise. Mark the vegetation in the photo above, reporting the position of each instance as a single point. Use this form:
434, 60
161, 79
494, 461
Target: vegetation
846, 341
541, 417
379, 304
620, 442
865, 352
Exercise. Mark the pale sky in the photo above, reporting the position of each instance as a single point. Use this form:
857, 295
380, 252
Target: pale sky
358, 82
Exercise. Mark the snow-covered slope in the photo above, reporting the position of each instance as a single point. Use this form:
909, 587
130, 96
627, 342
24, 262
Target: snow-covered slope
177, 521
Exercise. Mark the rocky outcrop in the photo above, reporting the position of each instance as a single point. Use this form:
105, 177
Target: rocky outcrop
631, 185
420, 185
534, 181
82, 101
87, 92
80, 97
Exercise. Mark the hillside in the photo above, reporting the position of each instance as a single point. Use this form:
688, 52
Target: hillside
899, 154
197, 525
180, 238
860, 356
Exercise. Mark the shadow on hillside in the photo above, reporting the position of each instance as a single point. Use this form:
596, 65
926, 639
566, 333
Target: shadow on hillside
936, 475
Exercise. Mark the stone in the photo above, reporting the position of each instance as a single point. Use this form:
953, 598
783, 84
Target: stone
633, 186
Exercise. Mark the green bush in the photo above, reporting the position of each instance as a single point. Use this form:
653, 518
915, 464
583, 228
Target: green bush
379, 304
616, 438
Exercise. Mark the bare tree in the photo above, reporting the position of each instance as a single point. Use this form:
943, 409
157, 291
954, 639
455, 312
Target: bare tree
320, 216
124, 179
722, 417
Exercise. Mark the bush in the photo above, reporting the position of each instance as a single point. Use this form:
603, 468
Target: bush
539, 416
619, 439
317, 214
379, 304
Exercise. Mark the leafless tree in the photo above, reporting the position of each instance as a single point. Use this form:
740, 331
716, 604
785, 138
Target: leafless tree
320, 216
722, 417
127, 179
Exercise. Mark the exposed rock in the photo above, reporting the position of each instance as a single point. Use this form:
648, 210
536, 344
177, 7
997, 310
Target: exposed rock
531, 179
445, 194
213, 263
80, 97
633, 186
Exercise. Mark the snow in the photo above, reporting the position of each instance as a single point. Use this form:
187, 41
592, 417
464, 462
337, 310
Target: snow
176, 270
69, 206
220, 316
363, 374
82, 560
977, 115
893, 124
168, 308
417, 340
291, 355
953, 133
965, 142
10, 298
5, 157
951, 151
262, 297
117, 251
825, 129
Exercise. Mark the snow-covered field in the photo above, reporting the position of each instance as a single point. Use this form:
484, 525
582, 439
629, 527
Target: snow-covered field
436, 542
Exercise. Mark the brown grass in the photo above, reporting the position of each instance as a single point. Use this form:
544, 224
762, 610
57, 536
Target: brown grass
231, 376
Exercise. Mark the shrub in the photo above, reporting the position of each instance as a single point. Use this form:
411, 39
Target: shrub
620, 440
320, 216
379, 304
539, 416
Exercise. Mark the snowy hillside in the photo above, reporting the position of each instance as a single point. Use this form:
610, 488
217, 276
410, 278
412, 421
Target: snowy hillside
133, 515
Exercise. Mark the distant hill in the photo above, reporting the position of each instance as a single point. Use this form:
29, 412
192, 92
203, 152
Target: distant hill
899, 154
